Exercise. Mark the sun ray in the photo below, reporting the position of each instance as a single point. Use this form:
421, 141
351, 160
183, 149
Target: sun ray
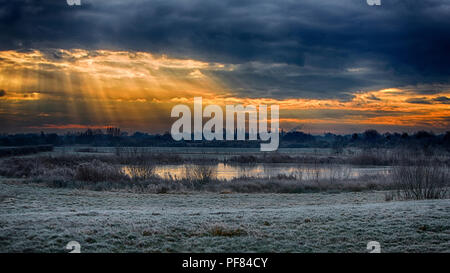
136, 90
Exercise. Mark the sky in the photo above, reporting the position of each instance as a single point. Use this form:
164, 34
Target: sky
332, 66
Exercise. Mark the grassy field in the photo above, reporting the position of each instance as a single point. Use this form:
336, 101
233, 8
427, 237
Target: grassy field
34, 218
115, 201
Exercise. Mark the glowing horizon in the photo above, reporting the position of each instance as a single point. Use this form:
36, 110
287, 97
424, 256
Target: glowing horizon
74, 89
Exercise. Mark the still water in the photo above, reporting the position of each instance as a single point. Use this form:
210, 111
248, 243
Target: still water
271, 170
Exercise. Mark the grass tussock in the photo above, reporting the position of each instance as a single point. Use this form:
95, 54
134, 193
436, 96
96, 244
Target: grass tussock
223, 230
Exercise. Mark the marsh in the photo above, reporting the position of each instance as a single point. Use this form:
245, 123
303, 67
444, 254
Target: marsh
223, 200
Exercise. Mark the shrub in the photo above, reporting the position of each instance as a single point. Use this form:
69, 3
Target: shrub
421, 182
200, 175
96, 171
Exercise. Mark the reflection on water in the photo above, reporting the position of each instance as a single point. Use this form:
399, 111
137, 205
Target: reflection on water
264, 170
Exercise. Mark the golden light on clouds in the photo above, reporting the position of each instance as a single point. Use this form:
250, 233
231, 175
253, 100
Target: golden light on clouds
114, 74
77, 88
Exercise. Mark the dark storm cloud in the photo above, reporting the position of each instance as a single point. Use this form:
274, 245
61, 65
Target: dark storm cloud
373, 97
437, 100
281, 49
418, 101
442, 99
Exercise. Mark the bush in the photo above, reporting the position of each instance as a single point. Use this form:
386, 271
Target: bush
199, 175
421, 182
96, 171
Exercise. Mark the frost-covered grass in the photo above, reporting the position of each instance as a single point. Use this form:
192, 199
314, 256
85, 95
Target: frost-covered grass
41, 219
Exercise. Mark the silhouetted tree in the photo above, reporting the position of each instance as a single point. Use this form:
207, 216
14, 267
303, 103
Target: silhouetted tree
371, 135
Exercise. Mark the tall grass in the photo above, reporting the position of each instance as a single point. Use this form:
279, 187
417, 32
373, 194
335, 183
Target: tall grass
142, 171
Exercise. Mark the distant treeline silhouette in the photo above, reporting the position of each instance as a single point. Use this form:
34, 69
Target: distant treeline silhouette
367, 139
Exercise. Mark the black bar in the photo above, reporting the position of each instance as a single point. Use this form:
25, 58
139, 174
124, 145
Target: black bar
274, 263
